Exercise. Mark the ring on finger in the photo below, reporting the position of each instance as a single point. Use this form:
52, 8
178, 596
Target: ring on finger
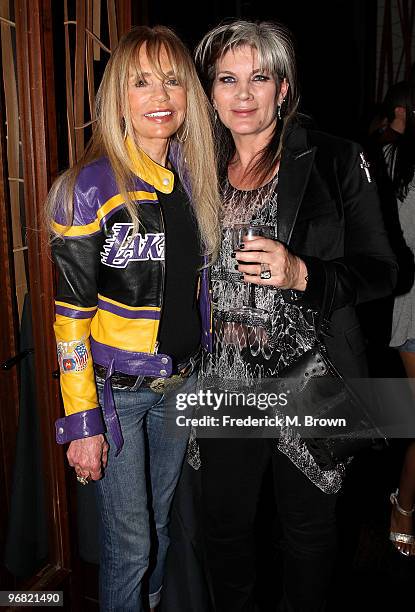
82, 479
265, 271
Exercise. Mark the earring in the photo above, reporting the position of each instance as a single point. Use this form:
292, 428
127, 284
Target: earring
124, 128
279, 106
185, 133
215, 111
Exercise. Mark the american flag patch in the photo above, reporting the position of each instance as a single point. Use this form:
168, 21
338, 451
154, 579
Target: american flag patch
72, 356
81, 356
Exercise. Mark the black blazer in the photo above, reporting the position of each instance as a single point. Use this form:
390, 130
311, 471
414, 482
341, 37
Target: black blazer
329, 215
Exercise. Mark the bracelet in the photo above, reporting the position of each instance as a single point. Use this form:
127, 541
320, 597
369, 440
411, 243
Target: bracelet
394, 501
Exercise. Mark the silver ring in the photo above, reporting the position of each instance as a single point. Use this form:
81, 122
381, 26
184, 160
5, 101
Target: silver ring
82, 479
265, 272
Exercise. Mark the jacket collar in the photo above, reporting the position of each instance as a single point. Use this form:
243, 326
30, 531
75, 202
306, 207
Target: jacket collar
296, 163
160, 177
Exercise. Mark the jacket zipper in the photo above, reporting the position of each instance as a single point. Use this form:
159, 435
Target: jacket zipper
163, 269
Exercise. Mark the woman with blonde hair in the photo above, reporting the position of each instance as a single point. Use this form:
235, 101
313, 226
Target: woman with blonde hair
134, 226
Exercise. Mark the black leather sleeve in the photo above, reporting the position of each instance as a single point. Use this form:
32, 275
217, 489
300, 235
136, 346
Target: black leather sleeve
368, 268
77, 261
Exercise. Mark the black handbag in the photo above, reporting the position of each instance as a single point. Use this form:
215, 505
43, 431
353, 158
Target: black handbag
319, 393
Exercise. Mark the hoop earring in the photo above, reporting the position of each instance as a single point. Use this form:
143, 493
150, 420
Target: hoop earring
216, 116
124, 128
185, 133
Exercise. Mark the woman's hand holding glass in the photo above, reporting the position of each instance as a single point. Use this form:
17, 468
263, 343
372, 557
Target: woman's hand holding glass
287, 270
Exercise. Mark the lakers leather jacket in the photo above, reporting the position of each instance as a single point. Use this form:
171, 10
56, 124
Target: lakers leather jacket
110, 290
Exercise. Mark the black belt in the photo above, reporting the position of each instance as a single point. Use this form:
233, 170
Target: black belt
159, 385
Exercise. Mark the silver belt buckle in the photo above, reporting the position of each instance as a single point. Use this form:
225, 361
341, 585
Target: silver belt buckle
161, 385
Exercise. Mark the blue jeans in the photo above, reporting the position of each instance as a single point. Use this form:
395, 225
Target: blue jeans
134, 498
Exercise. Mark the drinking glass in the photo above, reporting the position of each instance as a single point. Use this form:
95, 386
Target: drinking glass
249, 313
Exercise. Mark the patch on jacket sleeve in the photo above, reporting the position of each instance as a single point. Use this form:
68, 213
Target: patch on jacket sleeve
72, 356
365, 167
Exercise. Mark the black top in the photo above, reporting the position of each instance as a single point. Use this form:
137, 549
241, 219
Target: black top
180, 326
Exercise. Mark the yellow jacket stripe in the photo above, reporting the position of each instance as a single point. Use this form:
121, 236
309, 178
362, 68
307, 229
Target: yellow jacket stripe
109, 207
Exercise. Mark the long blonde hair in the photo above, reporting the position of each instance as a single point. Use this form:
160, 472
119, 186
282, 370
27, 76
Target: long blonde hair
113, 125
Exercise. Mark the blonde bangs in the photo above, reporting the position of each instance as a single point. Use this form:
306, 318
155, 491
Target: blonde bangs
154, 48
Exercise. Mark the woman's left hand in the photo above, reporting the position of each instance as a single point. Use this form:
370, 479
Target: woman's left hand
287, 270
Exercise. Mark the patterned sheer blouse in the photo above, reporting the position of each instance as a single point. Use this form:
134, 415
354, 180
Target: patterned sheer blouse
245, 348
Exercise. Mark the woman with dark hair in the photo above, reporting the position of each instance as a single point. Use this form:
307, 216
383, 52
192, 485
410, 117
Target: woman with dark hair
324, 242
398, 149
389, 123
134, 224
399, 157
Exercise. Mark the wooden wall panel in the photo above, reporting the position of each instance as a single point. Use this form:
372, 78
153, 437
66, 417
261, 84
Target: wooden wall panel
124, 15
34, 42
9, 398
13, 151
79, 94
81, 60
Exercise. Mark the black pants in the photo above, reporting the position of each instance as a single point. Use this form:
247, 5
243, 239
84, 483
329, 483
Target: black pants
232, 472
